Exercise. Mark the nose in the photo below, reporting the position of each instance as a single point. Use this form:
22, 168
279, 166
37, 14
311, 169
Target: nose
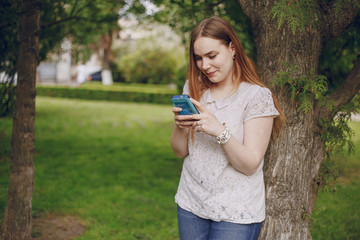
205, 64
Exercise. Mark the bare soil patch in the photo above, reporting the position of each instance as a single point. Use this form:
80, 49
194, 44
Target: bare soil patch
55, 227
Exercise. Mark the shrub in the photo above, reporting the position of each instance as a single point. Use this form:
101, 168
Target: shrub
149, 66
98, 94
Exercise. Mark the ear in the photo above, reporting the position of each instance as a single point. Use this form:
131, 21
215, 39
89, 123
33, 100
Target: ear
231, 46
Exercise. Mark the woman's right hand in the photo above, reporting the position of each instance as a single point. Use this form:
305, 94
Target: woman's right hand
179, 136
182, 121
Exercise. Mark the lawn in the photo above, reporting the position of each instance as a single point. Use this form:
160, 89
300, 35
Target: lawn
110, 164
337, 209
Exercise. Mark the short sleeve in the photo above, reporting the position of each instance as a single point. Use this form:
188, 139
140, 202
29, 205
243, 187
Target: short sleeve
260, 105
186, 89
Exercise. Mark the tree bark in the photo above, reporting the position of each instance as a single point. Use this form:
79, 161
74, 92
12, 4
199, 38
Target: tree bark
107, 56
17, 222
349, 87
294, 160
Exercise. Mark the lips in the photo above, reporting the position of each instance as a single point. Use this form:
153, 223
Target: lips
210, 74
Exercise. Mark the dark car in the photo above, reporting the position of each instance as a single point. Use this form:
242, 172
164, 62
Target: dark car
96, 76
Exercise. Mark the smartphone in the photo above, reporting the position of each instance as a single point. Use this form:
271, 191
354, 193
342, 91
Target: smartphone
183, 102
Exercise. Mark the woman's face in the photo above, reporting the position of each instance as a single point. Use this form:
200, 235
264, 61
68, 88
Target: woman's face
214, 59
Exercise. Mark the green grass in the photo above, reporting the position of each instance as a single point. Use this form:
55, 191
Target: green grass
337, 209
111, 165
108, 163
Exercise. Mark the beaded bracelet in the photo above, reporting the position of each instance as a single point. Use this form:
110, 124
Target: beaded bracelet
224, 137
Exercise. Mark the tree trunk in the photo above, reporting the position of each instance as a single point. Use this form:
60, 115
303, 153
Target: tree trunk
17, 222
294, 159
108, 57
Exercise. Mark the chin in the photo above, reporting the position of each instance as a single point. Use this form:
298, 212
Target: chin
215, 80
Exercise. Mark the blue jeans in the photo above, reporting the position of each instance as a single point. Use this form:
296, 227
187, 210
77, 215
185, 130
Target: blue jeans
192, 227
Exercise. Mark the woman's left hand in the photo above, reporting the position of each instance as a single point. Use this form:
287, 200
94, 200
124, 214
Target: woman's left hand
207, 121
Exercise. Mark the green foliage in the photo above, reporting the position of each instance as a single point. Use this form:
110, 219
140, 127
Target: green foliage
82, 21
7, 96
338, 56
148, 96
9, 25
303, 88
182, 16
296, 13
336, 133
328, 175
149, 65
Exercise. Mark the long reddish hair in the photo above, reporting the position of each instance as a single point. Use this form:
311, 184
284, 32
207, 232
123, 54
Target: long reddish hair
243, 69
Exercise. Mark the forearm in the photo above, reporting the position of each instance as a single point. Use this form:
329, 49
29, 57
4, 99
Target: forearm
247, 156
179, 141
242, 158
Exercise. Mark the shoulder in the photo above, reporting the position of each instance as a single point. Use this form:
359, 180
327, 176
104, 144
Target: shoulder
253, 91
260, 103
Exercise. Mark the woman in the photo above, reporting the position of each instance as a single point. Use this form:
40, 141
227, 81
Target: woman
221, 191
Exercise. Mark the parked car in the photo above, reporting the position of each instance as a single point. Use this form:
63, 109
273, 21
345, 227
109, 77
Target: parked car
96, 76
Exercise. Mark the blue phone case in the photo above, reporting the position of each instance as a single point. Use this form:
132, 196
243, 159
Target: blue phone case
183, 101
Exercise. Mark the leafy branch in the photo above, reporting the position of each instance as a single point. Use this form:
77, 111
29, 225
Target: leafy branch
303, 88
335, 132
296, 13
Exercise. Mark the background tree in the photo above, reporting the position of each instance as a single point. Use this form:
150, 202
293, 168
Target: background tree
17, 222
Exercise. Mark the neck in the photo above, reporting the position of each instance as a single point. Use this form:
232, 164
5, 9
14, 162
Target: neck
222, 90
